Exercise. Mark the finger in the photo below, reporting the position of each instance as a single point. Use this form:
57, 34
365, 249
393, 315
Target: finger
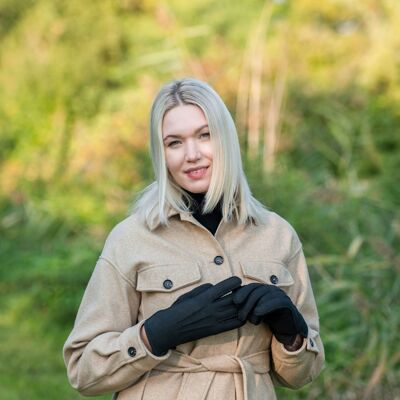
240, 295
276, 290
265, 308
280, 314
224, 301
227, 313
194, 292
224, 287
271, 296
251, 301
230, 324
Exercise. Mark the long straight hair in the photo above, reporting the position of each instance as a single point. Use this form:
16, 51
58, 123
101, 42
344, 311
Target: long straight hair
228, 181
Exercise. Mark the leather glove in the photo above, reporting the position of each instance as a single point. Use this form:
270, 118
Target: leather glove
204, 311
260, 302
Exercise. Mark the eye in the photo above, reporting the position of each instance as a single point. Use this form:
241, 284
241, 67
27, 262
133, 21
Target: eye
173, 143
205, 134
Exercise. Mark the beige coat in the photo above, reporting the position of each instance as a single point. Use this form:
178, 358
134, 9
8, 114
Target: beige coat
104, 352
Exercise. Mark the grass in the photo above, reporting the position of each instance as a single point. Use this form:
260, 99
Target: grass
42, 282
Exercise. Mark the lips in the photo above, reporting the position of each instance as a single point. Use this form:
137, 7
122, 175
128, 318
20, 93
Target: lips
197, 173
194, 169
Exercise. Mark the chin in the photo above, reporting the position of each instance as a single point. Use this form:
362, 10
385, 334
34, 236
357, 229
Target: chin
196, 188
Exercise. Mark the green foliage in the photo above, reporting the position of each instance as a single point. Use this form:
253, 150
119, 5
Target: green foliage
76, 85
351, 247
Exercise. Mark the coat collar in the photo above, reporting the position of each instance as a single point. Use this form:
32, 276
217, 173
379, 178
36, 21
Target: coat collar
154, 222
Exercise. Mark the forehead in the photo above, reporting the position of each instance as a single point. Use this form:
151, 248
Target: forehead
183, 119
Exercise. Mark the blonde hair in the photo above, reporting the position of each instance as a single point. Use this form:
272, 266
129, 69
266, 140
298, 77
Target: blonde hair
228, 180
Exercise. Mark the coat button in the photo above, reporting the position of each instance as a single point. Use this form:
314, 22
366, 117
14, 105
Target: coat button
168, 284
312, 343
132, 351
218, 260
274, 279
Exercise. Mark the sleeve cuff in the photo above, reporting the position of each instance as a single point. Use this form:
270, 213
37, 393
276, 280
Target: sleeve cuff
309, 344
134, 349
311, 341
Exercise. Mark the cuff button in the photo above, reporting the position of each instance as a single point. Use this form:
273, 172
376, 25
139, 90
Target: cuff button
132, 351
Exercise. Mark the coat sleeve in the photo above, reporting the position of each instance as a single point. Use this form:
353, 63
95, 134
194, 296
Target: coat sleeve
104, 352
296, 369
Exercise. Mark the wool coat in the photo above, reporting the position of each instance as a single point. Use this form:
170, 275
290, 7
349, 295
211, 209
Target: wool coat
146, 267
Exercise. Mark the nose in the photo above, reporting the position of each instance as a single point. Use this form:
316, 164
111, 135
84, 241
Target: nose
192, 151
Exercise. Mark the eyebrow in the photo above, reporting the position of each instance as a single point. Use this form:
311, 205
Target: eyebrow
178, 136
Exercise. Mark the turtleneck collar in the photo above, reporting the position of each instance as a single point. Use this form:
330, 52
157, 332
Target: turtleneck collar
198, 199
210, 220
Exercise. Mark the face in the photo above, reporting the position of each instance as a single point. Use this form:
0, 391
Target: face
187, 146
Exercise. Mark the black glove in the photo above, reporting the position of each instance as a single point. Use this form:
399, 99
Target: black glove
260, 302
199, 313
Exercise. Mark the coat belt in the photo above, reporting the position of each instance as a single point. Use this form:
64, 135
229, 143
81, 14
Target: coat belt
200, 372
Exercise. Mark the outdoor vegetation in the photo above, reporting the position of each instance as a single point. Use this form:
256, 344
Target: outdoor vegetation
314, 89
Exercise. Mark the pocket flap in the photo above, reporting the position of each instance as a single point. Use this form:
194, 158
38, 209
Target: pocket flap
167, 277
270, 272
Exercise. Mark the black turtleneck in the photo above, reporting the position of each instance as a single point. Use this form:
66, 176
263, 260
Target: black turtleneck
210, 220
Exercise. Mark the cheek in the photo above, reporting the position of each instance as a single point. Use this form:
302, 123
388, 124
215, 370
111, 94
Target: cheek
172, 160
208, 151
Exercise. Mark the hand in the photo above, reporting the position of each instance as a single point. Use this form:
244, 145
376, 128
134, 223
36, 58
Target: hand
204, 311
260, 302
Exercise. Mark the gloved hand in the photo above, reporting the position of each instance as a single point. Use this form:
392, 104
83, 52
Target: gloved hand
260, 302
202, 312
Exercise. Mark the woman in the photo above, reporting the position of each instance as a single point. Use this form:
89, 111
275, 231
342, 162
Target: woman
201, 293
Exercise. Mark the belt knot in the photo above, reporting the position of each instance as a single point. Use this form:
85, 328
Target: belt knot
256, 363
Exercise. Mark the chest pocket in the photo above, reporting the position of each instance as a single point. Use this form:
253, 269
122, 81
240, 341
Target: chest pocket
269, 272
162, 284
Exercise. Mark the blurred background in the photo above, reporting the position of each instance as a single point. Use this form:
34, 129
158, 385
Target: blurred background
314, 89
